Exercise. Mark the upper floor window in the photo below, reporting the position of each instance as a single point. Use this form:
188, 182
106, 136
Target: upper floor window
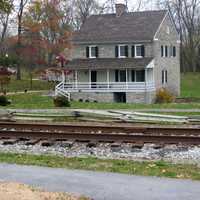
138, 51
162, 51
174, 51
121, 51
92, 52
166, 51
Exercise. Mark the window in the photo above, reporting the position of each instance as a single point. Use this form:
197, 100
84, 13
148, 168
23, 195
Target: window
92, 52
174, 51
164, 76
162, 51
138, 51
120, 75
166, 51
138, 75
122, 51
133, 75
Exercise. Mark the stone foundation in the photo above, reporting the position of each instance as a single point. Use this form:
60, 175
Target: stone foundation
131, 97
93, 96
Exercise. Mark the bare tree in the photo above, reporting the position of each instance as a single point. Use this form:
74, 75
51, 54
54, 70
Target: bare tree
82, 10
20, 12
185, 14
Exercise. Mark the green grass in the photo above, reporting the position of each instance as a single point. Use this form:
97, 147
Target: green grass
190, 83
39, 101
24, 84
158, 168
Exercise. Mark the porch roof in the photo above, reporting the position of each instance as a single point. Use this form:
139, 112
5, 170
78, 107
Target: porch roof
108, 63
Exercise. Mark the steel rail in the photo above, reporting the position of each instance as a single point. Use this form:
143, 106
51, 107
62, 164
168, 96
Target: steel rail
128, 138
92, 128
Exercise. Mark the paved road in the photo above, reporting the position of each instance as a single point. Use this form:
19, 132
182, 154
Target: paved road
102, 186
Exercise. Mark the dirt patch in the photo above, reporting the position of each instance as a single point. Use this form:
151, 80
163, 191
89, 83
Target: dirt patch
16, 191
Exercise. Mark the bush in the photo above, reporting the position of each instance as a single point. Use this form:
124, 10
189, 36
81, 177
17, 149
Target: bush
164, 96
4, 101
61, 101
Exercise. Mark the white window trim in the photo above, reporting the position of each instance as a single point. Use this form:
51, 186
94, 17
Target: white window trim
90, 52
137, 45
120, 45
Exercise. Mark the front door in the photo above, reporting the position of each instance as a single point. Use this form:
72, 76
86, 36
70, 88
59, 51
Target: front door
93, 78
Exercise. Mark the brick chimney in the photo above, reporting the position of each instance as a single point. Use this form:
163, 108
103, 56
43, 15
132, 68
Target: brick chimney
120, 9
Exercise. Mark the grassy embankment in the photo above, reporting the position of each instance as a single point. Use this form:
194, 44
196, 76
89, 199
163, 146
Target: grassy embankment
158, 168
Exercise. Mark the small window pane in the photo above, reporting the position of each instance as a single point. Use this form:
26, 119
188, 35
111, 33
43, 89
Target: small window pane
140, 76
138, 50
122, 75
93, 52
122, 51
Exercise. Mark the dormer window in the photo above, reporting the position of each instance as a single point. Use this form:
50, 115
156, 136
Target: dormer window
92, 52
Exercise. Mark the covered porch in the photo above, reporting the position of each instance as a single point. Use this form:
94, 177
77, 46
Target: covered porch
109, 80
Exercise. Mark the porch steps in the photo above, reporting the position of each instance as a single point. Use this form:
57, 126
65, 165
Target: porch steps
60, 90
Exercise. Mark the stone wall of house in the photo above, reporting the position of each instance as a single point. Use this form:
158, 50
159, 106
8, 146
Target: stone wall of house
108, 50
108, 97
142, 97
93, 96
167, 35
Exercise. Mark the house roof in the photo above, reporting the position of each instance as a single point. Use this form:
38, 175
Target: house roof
129, 27
111, 63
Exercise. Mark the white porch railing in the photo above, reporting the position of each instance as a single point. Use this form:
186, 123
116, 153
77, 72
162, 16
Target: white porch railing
106, 87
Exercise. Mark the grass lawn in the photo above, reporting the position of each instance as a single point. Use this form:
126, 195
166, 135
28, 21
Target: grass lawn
24, 84
158, 168
190, 85
39, 101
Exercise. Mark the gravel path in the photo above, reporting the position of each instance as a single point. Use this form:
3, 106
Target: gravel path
102, 186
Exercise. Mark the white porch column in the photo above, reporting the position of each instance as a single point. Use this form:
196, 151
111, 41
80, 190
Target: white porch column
63, 76
76, 79
108, 78
145, 76
126, 78
89, 78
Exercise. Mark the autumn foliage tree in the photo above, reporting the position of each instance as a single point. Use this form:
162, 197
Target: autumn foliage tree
48, 30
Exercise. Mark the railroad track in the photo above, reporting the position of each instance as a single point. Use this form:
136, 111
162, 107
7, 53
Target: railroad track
99, 133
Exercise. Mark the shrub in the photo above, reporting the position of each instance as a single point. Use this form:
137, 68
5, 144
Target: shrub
61, 101
164, 96
4, 101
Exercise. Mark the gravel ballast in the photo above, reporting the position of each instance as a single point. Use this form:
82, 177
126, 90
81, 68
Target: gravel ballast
172, 153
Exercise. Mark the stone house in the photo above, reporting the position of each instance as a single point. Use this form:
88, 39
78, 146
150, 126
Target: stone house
124, 57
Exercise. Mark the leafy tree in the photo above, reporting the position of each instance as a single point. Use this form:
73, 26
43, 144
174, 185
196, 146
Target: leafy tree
45, 23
